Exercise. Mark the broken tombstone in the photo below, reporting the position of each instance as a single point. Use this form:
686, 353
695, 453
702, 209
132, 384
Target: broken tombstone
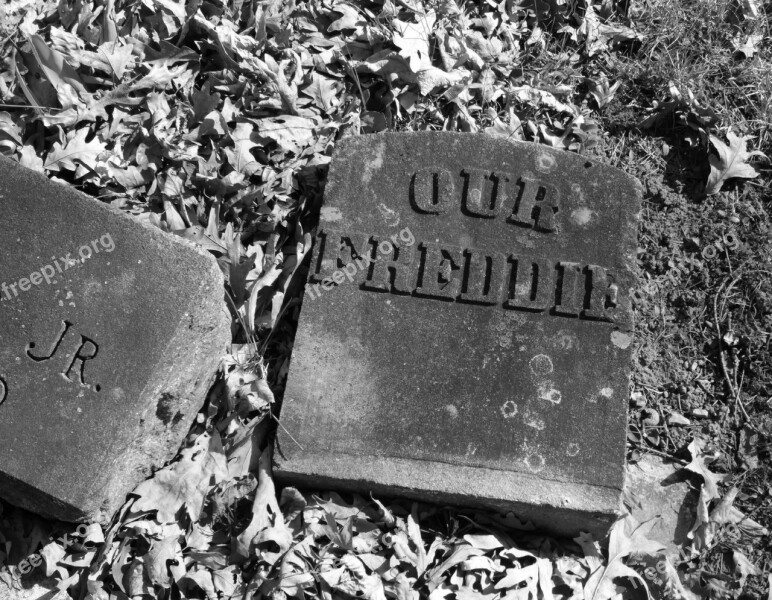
110, 335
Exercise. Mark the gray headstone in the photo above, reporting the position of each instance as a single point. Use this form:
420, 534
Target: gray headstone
482, 357
110, 335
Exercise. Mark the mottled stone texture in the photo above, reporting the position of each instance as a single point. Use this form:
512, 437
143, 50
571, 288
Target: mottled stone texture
481, 358
103, 363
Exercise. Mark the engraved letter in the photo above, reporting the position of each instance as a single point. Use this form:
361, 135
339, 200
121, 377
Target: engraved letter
392, 272
3, 390
536, 205
431, 191
604, 295
436, 278
483, 277
65, 326
334, 250
87, 351
571, 289
531, 284
325, 255
475, 200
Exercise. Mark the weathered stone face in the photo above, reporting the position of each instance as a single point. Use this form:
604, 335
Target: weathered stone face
482, 356
110, 334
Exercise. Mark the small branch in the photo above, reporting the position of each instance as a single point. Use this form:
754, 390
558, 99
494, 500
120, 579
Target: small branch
721, 344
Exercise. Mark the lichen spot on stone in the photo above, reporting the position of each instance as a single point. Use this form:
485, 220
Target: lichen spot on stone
535, 462
621, 339
451, 411
545, 162
541, 364
532, 419
331, 214
549, 393
374, 164
508, 409
607, 393
390, 216
581, 216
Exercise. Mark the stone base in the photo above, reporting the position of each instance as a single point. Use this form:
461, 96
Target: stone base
556, 507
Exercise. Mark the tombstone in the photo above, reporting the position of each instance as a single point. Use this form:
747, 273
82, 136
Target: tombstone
110, 335
465, 333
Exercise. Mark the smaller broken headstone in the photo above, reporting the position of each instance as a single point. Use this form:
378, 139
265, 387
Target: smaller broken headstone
110, 335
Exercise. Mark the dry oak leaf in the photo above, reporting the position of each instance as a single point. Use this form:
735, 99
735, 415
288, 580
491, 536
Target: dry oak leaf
699, 466
627, 537
185, 481
289, 132
240, 157
433, 78
730, 162
413, 41
75, 151
350, 19
324, 92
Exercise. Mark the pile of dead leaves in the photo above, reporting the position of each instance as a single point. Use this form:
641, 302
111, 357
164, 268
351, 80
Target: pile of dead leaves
206, 527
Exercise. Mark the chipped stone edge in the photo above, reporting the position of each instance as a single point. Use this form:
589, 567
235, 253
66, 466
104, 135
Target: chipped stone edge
136, 461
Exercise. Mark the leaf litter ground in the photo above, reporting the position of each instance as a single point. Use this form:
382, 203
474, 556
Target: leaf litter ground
216, 122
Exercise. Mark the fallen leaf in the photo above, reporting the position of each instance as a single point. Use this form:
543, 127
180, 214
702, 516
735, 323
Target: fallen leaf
627, 538
699, 465
512, 130
413, 40
62, 76
29, 158
350, 18
601, 91
266, 515
749, 46
185, 482
750, 10
730, 162
744, 568
161, 553
323, 91
240, 157
117, 57
703, 531
432, 78
74, 152
539, 98
288, 131
203, 103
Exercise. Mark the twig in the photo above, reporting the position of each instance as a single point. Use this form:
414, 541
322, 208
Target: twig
275, 418
680, 461
721, 343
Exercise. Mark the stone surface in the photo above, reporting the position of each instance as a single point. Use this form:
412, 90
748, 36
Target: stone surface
104, 361
483, 359
663, 492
